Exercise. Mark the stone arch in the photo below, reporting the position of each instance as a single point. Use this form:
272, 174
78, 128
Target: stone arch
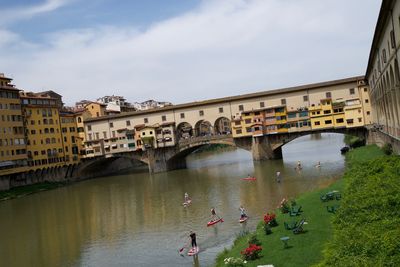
203, 128
222, 125
184, 130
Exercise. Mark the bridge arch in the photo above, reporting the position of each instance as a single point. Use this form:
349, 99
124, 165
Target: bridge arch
184, 130
222, 125
203, 128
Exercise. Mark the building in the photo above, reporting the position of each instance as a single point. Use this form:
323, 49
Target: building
116, 104
96, 109
383, 73
71, 140
150, 104
13, 155
45, 145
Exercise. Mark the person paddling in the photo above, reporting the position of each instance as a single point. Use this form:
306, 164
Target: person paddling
242, 212
214, 216
187, 198
278, 176
193, 239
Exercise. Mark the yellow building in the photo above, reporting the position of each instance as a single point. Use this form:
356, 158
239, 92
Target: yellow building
42, 122
354, 113
321, 115
338, 115
148, 136
13, 156
96, 109
71, 140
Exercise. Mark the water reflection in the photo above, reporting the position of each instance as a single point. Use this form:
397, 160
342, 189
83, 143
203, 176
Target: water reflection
138, 219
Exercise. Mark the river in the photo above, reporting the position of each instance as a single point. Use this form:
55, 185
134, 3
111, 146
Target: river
137, 219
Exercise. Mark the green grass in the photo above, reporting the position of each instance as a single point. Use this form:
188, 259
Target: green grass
307, 248
28, 189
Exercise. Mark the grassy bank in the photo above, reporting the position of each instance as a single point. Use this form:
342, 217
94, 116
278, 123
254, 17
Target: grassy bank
305, 249
28, 189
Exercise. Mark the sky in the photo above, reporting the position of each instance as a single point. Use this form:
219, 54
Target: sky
181, 50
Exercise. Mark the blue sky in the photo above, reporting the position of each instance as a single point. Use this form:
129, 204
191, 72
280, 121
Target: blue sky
181, 50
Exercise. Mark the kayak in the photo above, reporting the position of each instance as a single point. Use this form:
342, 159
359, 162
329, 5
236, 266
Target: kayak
193, 251
242, 220
187, 203
249, 178
215, 221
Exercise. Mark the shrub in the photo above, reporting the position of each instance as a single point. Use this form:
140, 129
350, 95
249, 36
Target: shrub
234, 262
270, 219
253, 240
252, 252
366, 228
387, 149
284, 206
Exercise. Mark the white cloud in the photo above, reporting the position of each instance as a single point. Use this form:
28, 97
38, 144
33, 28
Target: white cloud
13, 14
222, 48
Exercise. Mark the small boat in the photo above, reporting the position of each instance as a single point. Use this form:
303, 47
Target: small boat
243, 219
187, 203
214, 222
249, 179
193, 251
344, 149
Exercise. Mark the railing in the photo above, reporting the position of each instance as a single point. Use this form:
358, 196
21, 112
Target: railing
191, 140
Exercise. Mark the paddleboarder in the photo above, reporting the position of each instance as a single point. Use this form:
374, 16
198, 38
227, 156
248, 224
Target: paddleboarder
278, 176
214, 216
193, 238
187, 198
242, 212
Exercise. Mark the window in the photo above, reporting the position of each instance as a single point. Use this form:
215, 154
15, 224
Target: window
163, 118
79, 119
368, 112
384, 55
105, 135
241, 108
305, 98
352, 91
392, 39
340, 120
359, 119
97, 136
201, 112
317, 123
89, 127
349, 121
146, 120
128, 123
111, 125
247, 121
283, 101
262, 104
221, 110
328, 122
366, 100
327, 112
239, 131
248, 129
328, 95
182, 115
365, 89
237, 123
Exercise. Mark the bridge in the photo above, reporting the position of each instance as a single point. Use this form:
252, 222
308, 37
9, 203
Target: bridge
259, 122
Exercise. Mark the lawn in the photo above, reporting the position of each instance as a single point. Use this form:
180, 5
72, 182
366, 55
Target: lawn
306, 249
28, 189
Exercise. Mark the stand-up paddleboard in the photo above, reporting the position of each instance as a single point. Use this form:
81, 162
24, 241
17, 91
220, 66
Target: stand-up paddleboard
187, 203
215, 221
193, 251
242, 220
249, 179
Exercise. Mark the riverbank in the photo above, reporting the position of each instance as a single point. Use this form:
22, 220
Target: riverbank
29, 189
305, 249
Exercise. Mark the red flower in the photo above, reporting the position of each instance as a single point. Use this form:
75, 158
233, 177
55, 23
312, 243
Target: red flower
269, 217
251, 253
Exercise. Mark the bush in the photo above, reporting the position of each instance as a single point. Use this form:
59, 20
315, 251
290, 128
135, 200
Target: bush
253, 240
252, 252
366, 228
387, 149
234, 262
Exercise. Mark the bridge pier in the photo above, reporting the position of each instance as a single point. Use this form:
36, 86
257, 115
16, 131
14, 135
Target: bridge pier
261, 149
162, 159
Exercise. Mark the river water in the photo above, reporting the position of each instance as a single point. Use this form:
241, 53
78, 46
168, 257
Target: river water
137, 219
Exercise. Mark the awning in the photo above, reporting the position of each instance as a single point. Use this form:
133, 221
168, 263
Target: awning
6, 163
